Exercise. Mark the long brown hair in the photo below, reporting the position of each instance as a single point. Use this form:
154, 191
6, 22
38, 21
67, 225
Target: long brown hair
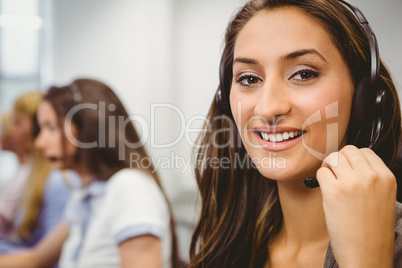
94, 124
241, 212
32, 201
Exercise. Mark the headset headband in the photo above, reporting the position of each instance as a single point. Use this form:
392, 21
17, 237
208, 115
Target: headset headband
374, 52
76, 93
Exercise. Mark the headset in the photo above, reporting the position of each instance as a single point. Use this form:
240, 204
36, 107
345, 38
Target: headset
77, 96
367, 95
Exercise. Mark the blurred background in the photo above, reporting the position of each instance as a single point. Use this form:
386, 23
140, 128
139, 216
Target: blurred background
160, 56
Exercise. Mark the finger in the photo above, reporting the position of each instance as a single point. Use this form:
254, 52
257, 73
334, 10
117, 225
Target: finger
338, 164
355, 157
378, 165
373, 159
365, 160
326, 178
383, 174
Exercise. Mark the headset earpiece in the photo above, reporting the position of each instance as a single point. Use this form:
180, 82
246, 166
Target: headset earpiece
368, 98
361, 101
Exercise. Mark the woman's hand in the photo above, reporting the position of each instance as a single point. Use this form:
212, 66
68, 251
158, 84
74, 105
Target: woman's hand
359, 199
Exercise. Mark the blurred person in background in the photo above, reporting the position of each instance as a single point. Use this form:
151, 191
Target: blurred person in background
8, 197
33, 201
120, 217
5, 122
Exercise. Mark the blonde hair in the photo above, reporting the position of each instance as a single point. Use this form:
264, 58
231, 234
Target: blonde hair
32, 200
5, 122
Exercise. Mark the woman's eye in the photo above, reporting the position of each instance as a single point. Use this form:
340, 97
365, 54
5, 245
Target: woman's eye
305, 75
247, 80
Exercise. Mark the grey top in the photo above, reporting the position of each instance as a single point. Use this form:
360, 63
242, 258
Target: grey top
330, 260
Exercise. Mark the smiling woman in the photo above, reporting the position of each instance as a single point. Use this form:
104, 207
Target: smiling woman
293, 78
274, 79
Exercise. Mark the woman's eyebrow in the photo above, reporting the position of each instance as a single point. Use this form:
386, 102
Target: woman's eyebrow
290, 56
246, 61
302, 52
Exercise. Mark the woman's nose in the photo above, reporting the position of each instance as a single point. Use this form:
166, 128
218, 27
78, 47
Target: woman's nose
273, 101
39, 140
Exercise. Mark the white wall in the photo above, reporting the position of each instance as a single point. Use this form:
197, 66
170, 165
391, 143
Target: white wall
167, 51
386, 21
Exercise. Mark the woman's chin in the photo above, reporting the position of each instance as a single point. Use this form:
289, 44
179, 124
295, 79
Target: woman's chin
287, 173
57, 165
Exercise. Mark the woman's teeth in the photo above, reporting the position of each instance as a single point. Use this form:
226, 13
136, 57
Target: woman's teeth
278, 137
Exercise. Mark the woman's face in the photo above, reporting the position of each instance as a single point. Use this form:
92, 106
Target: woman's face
51, 137
291, 93
21, 134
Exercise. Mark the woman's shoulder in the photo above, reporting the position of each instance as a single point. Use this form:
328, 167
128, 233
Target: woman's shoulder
133, 180
135, 194
130, 176
56, 183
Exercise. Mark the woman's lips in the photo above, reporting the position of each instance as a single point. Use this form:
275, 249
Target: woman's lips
279, 139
